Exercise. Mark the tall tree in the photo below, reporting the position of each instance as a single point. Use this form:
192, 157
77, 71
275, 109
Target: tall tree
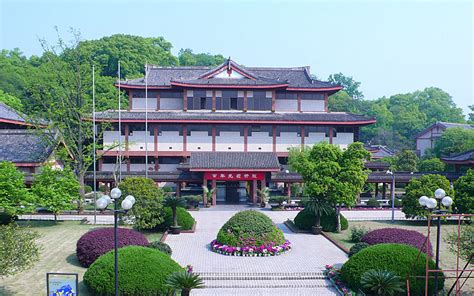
55, 189
11, 101
406, 160
350, 85
464, 187
15, 198
188, 58
454, 140
332, 174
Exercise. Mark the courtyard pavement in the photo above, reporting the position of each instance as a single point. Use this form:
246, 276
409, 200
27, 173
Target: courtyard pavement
297, 272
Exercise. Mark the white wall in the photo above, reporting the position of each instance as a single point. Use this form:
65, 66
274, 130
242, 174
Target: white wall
111, 138
314, 138
343, 139
286, 105
229, 139
261, 140
171, 103
199, 141
170, 139
287, 140
312, 105
422, 145
139, 103
136, 141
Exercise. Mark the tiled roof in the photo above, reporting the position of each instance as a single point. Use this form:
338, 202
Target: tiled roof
339, 117
379, 151
8, 113
234, 160
295, 77
444, 125
23, 146
460, 157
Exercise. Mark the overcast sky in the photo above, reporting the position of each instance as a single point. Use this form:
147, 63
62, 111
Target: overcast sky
391, 47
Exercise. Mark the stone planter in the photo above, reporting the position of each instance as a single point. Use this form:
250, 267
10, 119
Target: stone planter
316, 230
175, 229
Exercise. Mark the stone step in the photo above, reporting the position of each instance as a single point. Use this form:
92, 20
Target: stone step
266, 292
272, 283
261, 276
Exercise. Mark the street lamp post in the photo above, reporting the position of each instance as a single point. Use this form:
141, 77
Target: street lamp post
431, 203
127, 204
389, 172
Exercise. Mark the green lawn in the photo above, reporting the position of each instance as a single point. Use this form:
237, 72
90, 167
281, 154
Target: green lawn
447, 259
58, 254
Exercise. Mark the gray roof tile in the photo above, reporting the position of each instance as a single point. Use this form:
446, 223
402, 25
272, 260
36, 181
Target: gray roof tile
23, 146
234, 160
8, 113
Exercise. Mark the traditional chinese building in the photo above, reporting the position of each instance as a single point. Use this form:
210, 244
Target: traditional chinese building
229, 127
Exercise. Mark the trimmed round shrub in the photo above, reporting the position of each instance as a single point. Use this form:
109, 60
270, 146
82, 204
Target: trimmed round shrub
143, 271
250, 228
305, 219
97, 242
357, 247
397, 258
160, 246
185, 220
397, 236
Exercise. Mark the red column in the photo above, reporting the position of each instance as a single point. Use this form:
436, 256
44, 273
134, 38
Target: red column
185, 100
178, 189
330, 134
302, 137
130, 99
245, 101
213, 101
274, 138
128, 165
158, 97
185, 134
254, 192
326, 102
273, 100
298, 96
214, 134
289, 190
246, 134
127, 132
155, 138
214, 193
204, 197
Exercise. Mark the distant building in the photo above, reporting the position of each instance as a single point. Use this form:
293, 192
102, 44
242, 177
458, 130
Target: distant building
20, 144
426, 139
463, 159
379, 151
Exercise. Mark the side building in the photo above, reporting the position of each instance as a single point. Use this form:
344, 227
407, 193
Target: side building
229, 127
426, 139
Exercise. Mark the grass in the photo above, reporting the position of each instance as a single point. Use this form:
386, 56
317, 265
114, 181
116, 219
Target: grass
447, 259
58, 254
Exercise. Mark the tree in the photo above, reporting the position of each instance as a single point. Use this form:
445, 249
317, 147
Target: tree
348, 83
471, 115
464, 187
454, 140
56, 189
174, 202
319, 207
18, 249
15, 199
11, 101
148, 207
426, 185
406, 160
332, 174
431, 165
188, 58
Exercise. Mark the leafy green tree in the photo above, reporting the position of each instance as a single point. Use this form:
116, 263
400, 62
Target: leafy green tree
471, 115
15, 199
148, 207
406, 160
188, 58
18, 249
56, 189
11, 101
348, 83
14, 72
464, 187
426, 185
454, 140
431, 165
332, 174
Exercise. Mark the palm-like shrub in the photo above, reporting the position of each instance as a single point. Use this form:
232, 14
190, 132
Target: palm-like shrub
97, 242
184, 281
381, 282
184, 218
143, 271
208, 193
264, 196
174, 202
398, 236
318, 206
304, 220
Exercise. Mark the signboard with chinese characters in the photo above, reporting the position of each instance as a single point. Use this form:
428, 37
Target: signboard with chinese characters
234, 176
62, 284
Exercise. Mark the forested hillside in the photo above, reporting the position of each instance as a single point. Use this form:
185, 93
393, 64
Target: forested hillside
24, 80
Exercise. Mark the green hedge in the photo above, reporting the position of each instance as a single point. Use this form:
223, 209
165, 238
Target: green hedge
250, 228
396, 258
304, 220
143, 271
185, 220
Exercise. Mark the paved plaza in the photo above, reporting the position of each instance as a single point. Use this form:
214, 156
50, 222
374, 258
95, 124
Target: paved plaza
297, 272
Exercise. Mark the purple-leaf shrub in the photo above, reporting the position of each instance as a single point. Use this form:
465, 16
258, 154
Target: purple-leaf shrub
398, 236
97, 242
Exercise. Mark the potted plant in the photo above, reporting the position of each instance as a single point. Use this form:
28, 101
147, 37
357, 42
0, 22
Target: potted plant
276, 202
173, 202
208, 194
264, 195
192, 201
185, 281
319, 206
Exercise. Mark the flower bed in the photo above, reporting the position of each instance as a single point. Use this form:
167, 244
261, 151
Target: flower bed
251, 251
333, 274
